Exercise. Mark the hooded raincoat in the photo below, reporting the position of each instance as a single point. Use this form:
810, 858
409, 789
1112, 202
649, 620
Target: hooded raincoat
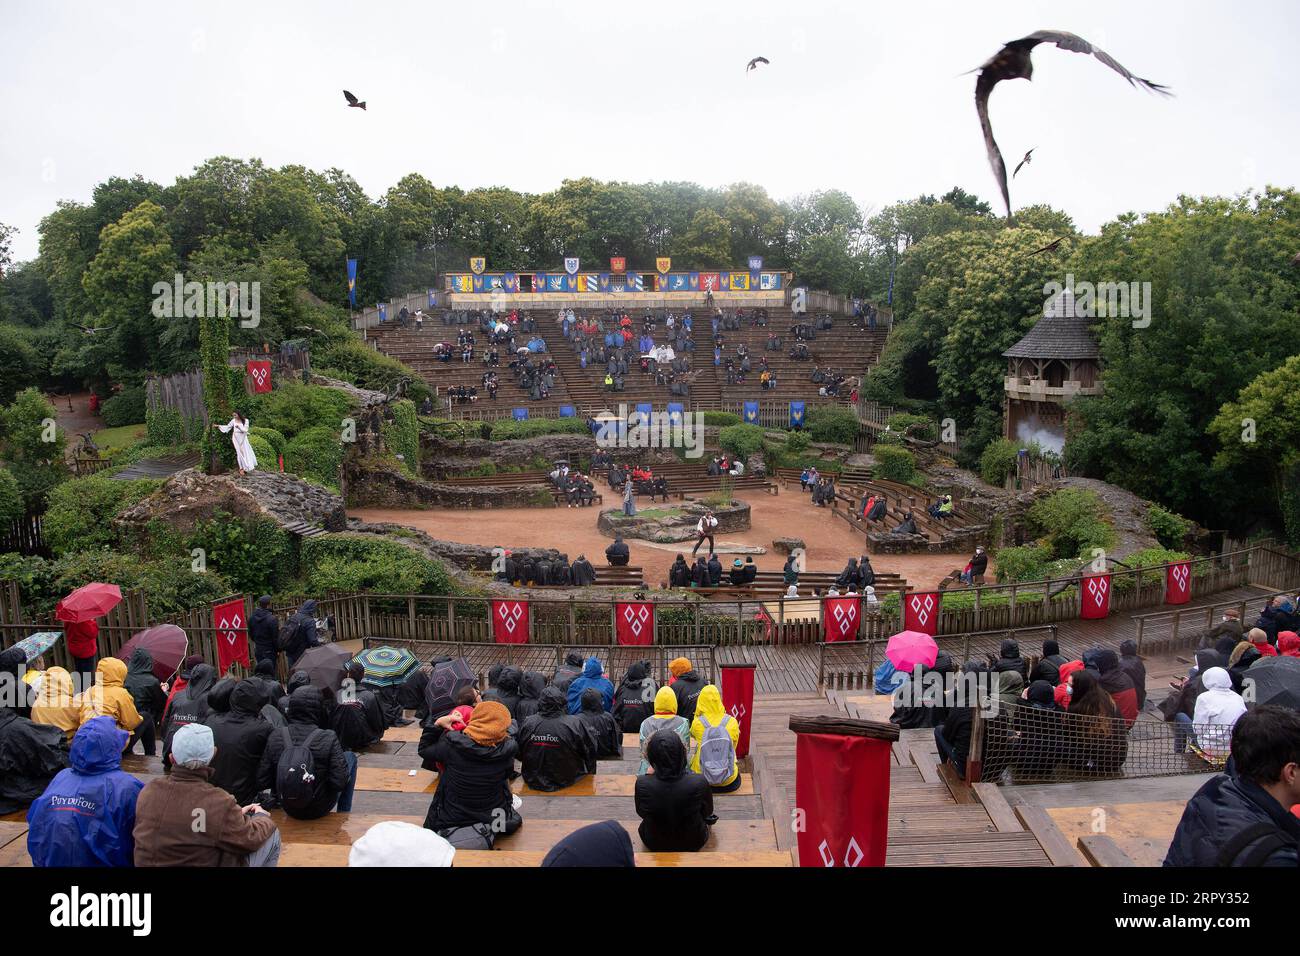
86, 816
710, 706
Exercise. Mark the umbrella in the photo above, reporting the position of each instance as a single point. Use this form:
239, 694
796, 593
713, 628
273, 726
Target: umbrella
1276, 681
386, 666
37, 644
445, 682
88, 602
166, 643
906, 649
324, 665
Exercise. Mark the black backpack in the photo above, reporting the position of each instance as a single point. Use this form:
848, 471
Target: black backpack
297, 783
288, 633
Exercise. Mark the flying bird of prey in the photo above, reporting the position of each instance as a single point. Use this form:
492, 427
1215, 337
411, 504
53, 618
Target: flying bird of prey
102, 328
1022, 162
1047, 248
353, 101
755, 62
1013, 62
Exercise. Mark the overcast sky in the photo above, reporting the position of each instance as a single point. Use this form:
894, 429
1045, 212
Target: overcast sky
866, 97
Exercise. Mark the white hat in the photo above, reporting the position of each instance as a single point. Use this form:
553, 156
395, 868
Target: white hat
193, 746
394, 843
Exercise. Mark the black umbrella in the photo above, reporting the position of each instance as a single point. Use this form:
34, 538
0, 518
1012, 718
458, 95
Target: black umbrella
1276, 681
324, 665
447, 680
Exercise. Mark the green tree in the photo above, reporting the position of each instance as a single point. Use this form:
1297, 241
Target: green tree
32, 445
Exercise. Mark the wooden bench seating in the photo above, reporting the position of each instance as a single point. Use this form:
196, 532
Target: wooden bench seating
389, 780
309, 854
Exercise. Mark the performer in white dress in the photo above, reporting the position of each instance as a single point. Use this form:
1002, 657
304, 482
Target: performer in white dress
238, 430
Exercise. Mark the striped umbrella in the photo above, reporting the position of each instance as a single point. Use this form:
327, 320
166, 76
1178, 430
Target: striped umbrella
386, 666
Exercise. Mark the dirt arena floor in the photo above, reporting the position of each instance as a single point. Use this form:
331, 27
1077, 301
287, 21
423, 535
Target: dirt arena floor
830, 540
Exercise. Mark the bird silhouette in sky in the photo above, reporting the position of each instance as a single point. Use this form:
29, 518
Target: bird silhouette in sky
353, 101
1022, 162
755, 62
1013, 62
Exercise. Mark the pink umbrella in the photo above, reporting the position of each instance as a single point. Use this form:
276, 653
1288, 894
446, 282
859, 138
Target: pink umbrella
906, 649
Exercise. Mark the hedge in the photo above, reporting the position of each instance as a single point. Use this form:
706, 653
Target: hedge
264, 452
997, 461
294, 407
315, 454
894, 464
81, 511
533, 427
370, 369
833, 425
256, 556
127, 407
721, 419
352, 562
741, 440
1072, 520
164, 426
12, 506
270, 436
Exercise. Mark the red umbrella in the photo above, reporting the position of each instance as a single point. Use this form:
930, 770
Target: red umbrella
167, 644
88, 602
906, 649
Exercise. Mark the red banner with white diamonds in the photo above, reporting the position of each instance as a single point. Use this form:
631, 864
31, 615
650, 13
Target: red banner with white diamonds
1178, 583
634, 622
232, 633
510, 621
260, 373
1094, 596
840, 618
921, 612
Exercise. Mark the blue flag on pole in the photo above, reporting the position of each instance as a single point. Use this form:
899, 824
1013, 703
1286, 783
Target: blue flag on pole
751, 413
643, 409
519, 414
796, 414
352, 282
675, 413
383, 311
431, 300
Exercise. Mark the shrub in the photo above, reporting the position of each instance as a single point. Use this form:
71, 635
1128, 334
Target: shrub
127, 407
1170, 529
721, 419
894, 464
81, 511
832, 424
997, 461
169, 584
1152, 558
255, 556
349, 562
741, 440
1027, 563
270, 436
508, 428
12, 506
294, 408
164, 426
918, 426
367, 368
264, 452
1072, 520
315, 454
797, 442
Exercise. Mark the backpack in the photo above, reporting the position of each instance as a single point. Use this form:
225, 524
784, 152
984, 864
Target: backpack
476, 836
717, 753
288, 633
297, 784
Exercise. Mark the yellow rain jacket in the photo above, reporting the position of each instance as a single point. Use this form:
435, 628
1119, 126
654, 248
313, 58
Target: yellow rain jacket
710, 705
665, 717
55, 704
108, 698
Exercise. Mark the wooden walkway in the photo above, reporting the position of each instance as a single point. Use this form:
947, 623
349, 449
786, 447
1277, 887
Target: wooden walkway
158, 467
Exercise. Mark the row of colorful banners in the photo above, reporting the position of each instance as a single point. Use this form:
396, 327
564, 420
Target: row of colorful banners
465, 282
663, 264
